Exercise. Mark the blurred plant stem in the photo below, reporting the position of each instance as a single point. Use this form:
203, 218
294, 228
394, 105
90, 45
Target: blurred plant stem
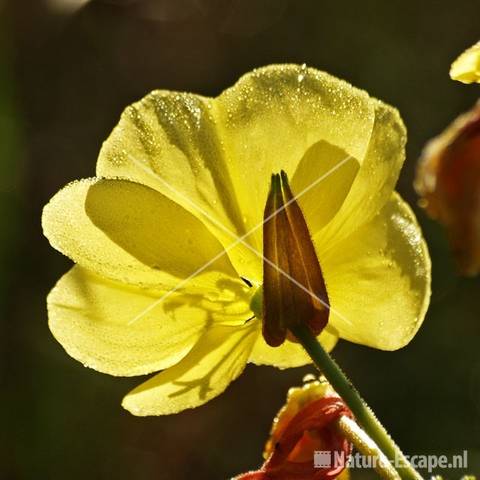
362, 412
367, 447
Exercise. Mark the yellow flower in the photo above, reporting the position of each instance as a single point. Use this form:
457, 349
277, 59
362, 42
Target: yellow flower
466, 68
162, 281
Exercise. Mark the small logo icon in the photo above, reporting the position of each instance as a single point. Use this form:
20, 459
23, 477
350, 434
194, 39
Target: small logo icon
322, 459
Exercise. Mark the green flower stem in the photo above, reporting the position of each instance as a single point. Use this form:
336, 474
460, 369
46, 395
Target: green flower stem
362, 412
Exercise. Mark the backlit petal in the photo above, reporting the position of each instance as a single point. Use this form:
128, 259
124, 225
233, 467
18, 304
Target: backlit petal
170, 142
132, 233
322, 181
289, 354
374, 183
218, 358
271, 118
466, 68
378, 280
124, 330
215, 157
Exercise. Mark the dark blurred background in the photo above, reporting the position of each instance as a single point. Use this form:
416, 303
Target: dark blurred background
67, 70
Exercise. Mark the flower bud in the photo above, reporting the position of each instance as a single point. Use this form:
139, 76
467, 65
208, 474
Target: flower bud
294, 290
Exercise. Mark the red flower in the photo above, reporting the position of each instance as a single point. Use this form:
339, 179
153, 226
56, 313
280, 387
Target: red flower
448, 180
305, 425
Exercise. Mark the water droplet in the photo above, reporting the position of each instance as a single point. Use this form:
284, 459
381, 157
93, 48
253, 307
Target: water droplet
302, 74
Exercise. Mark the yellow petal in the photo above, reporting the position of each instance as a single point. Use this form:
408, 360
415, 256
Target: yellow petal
321, 182
94, 320
374, 183
289, 354
378, 280
215, 157
271, 118
131, 233
466, 68
218, 358
170, 142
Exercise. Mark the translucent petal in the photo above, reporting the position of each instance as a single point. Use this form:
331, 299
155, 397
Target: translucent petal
322, 181
218, 358
378, 280
169, 141
272, 116
289, 354
373, 184
132, 233
215, 157
125, 330
466, 68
